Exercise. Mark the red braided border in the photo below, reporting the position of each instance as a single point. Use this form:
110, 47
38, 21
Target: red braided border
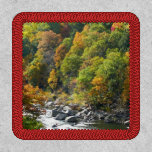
17, 128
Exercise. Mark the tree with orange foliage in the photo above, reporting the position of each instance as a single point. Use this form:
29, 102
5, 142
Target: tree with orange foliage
60, 54
78, 45
33, 95
49, 40
98, 93
61, 51
48, 43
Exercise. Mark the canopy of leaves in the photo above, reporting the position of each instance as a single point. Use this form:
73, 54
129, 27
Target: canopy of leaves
112, 70
61, 51
71, 65
31, 35
89, 62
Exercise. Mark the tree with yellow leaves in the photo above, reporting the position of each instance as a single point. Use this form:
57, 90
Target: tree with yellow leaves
52, 80
99, 92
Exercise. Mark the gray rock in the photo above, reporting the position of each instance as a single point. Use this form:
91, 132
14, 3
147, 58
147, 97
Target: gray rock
60, 108
71, 119
48, 104
89, 114
78, 114
70, 112
66, 108
92, 116
105, 113
85, 111
95, 117
86, 119
52, 113
54, 126
74, 106
83, 115
74, 112
101, 116
108, 119
61, 116
122, 113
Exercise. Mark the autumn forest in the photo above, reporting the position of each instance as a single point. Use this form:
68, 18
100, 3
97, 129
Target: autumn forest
75, 73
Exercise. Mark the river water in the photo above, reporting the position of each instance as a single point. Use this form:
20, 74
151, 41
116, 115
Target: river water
51, 123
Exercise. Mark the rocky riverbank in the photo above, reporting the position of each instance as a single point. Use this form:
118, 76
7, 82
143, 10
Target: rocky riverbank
73, 113
67, 113
70, 113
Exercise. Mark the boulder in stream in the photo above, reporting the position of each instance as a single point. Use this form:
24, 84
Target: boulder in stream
70, 112
85, 111
66, 108
52, 113
71, 119
61, 116
60, 108
78, 115
100, 116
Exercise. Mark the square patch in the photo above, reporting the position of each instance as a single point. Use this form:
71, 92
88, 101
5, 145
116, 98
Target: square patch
75, 76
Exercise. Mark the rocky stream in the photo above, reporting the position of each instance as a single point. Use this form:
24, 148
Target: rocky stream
54, 116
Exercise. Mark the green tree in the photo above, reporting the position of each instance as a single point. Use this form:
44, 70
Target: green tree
97, 49
31, 35
71, 65
98, 27
112, 70
35, 72
85, 77
119, 38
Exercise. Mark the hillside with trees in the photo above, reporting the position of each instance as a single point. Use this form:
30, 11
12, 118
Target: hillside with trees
84, 64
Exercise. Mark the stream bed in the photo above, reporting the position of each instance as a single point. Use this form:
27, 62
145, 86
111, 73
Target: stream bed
52, 123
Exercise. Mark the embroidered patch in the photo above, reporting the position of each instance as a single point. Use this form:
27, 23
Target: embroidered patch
75, 76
